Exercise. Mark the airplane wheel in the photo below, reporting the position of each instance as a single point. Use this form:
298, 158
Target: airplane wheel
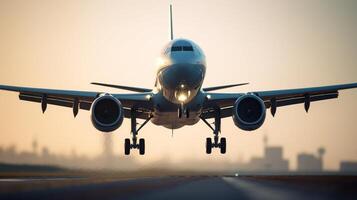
127, 147
208, 145
223, 145
142, 146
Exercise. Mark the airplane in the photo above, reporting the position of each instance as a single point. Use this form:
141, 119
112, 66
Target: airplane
177, 99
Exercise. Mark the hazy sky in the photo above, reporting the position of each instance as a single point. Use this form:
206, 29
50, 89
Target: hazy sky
273, 44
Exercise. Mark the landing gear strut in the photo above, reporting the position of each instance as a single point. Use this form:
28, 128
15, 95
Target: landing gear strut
183, 111
217, 142
135, 144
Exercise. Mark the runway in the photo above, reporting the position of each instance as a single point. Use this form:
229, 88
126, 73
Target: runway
183, 187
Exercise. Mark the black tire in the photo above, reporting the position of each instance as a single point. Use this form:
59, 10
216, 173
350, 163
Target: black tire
127, 147
208, 145
141, 146
223, 145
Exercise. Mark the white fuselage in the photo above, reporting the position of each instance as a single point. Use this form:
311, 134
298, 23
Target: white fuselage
182, 68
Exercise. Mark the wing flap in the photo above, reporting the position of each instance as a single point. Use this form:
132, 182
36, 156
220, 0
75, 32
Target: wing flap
49, 100
274, 98
283, 94
55, 101
298, 100
70, 98
63, 94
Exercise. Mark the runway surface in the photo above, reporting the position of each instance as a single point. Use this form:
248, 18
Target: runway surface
182, 187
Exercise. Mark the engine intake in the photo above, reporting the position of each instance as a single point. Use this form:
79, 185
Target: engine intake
107, 113
249, 112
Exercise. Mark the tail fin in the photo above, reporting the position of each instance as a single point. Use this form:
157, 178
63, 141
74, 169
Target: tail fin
171, 25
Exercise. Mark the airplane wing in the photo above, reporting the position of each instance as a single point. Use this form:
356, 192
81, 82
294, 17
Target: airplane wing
207, 89
274, 98
134, 89
78, 99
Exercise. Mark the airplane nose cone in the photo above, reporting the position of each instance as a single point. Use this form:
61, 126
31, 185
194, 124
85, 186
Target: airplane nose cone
189, 76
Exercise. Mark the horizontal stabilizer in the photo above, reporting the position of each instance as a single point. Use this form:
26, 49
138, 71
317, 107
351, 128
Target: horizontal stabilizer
223, 87
134, 89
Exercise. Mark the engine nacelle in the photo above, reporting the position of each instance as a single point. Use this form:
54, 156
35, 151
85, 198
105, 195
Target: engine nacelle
107, 113
249, 112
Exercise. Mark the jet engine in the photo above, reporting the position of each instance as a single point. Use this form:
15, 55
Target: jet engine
249, 112
107, 113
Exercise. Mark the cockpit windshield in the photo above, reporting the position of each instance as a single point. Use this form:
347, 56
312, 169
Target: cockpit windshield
181, 48
187, 48
176, 48
182, 45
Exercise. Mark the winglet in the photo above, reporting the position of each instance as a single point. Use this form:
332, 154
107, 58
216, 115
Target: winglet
171, 25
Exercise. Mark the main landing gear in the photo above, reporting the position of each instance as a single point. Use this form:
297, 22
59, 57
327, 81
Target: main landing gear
217, 142
135, 144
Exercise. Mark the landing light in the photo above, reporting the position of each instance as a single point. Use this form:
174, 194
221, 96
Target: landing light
182, 97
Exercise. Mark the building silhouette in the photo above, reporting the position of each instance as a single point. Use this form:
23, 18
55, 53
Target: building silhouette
34, 146
348, 166
106, 160
310, 162
271, 161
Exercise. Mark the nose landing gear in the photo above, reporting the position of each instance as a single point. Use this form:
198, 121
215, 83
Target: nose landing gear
183, 111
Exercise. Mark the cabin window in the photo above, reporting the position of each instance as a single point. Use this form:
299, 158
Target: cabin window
181, 48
